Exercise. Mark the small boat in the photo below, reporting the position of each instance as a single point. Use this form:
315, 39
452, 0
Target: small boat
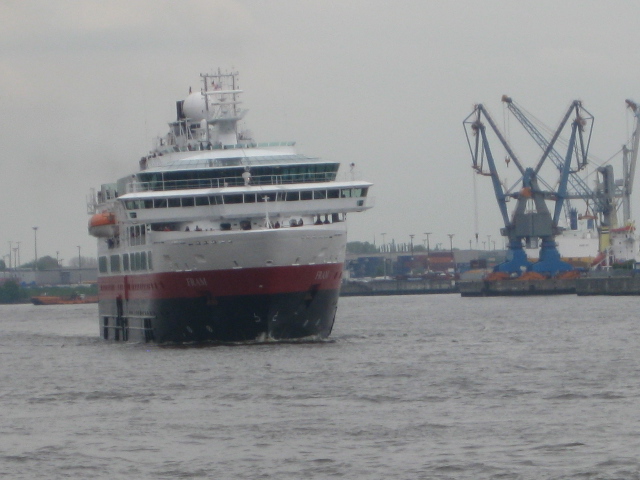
68, 300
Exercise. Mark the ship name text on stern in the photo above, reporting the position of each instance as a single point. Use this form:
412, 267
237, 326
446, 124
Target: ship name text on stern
196, 282
322, 274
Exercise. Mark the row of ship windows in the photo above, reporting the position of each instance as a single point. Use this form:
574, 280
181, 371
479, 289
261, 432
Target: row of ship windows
235, 198
155, 178
127, 262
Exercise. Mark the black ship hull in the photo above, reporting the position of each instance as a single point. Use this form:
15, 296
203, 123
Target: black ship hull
242, 318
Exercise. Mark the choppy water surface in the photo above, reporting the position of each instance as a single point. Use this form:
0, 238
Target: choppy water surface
414, 387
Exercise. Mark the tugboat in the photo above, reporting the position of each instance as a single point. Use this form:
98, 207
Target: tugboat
218, 238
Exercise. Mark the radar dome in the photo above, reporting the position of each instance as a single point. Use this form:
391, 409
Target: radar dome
194, 106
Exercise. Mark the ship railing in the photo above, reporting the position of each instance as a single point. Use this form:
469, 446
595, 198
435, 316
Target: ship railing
201, 146
203, 183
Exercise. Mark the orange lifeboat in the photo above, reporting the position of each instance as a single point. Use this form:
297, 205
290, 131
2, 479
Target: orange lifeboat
102, 224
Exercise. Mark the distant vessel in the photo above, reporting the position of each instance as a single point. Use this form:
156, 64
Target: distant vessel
220, 238
593, 247
579, 247
69, 300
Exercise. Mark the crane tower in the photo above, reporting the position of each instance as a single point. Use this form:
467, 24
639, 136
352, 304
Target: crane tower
534, 193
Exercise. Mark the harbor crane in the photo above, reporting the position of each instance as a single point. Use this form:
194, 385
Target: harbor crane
610, 194
629, 159
531, 219
600, 200
617, 242
577, 187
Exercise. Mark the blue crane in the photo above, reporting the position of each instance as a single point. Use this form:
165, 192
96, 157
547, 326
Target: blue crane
579, 188
531, 219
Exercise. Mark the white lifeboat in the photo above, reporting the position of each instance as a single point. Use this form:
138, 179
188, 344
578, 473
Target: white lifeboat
102, 224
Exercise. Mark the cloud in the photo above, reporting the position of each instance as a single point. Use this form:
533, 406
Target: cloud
87, 84
70, 26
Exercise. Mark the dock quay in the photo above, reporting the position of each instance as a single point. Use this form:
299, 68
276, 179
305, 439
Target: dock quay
464, 271
609, 283
503, 288
397, 287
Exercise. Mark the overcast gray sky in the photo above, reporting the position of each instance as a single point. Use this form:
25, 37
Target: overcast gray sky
87, 84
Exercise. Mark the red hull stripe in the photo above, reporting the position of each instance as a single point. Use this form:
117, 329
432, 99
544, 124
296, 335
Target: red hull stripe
218, 283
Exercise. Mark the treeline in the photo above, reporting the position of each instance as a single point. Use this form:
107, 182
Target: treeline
366, 247
47, 262
11, 292
361, 247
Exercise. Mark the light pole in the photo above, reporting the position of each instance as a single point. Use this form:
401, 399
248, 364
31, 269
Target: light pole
427, 234
35, 248
450, 235
411, 243
79, 265
488, 242
384, 257
58, 258
10, 246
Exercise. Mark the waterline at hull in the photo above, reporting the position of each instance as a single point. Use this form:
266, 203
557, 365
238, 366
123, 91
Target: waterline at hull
272, 304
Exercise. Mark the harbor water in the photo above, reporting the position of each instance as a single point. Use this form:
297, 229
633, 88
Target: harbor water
407, 387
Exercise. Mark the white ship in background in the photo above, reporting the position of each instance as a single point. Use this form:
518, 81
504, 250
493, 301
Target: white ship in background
220, 238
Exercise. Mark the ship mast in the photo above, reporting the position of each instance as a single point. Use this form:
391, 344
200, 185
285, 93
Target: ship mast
221, 95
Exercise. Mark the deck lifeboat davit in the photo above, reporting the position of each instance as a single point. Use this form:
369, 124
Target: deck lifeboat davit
102, 224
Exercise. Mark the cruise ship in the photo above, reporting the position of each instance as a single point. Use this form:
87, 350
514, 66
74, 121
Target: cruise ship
217, 238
